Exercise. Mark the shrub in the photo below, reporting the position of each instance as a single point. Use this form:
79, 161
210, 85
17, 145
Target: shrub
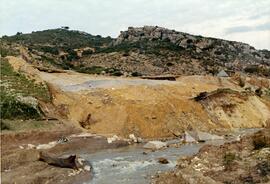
252, 69
258, 92
136, 74
126, 54
87, 52
14, 84
260, 141
91, 70
3, 125
117, 73
241, 82
51, 50
11, 108
228, 159
72, 55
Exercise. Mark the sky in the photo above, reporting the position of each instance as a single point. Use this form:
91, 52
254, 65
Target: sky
246, 21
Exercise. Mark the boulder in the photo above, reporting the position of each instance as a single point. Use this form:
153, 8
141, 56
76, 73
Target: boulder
112, 139
163, 160
155, 145
204, 136
135, 139
46, 146
188, 138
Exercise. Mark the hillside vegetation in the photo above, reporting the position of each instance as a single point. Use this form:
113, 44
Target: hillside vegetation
148, 50
20, 95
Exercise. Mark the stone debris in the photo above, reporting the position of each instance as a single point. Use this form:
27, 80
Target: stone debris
62, 140
163, 160
84, 134
46, 146
112, 139
199, 136
31, 146
204, 136
155, 145
135, 139
75, 172
187, 138
87, 168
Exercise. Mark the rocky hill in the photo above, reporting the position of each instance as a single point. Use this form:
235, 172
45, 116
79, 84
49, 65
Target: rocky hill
148, 50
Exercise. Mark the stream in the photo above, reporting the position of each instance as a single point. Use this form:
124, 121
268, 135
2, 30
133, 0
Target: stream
131, 165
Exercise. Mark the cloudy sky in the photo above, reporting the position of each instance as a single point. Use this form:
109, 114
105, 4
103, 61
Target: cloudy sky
241, 20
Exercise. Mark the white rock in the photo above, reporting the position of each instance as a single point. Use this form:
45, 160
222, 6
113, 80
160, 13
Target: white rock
47, 146
155, 145
139, 140
80, 160
133, 138
31, 146
206, 136
87, 168
84, 134
112, 139
188, 138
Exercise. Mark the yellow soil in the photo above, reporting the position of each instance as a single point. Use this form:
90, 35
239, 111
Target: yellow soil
153, 111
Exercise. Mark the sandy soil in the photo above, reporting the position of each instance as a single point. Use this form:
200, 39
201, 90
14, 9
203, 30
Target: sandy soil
123, 106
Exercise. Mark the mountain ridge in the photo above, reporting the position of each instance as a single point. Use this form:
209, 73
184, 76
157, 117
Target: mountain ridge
148, 50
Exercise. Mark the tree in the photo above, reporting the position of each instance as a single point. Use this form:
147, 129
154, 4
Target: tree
65, 27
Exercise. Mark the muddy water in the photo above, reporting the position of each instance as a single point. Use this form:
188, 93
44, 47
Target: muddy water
130, 165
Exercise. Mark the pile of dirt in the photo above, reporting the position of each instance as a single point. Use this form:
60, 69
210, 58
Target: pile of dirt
245, 161
167, 108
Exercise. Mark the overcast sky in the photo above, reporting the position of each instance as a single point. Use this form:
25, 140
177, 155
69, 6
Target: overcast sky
240, 20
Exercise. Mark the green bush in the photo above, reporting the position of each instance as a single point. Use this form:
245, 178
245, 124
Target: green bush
11, 108
228, 160
260, 142
3, 125
113, 71
87, 52
241, 82
91, 70
14, 84
51, 50
117, 73
136, 74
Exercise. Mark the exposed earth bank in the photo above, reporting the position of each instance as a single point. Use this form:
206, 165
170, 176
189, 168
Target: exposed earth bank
108, 106
244, 161
20, 154
123, 106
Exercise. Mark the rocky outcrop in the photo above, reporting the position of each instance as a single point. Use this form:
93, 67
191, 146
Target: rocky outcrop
230, 54
148, 50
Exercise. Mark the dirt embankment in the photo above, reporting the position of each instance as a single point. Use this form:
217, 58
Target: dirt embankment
20, 153
150, 109
245, 161
163, 110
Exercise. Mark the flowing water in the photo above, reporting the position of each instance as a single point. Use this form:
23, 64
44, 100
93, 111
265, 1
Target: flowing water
131, 166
